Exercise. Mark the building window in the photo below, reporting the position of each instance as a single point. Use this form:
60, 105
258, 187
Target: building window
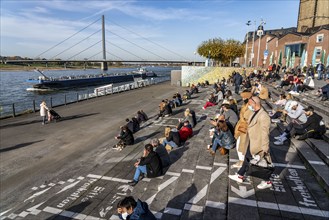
318, 51
297, 48
319, 38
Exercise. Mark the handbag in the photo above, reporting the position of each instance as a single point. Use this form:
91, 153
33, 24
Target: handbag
261, 168
243, 127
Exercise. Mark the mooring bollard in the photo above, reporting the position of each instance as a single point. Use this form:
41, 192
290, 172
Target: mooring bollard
14, 113
65, 99
77, 97
34, 110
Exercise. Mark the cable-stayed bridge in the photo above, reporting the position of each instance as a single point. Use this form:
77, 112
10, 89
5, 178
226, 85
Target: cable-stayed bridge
96, 40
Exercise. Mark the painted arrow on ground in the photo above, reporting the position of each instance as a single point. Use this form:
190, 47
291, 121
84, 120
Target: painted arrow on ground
69, 186
37, 194
242, 191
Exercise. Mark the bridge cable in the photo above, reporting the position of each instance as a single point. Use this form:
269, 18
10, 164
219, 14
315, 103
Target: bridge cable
126, 50
94, 55
68, 38
115, 56
149, 40
76, 44
137, 45
85, 49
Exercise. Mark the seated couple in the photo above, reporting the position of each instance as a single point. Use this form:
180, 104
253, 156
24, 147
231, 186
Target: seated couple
175, 138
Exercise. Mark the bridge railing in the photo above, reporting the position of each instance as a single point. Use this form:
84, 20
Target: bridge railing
16, 109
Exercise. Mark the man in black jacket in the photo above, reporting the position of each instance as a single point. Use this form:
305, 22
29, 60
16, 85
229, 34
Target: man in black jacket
237, 80
125, 138
313, 127
149, 164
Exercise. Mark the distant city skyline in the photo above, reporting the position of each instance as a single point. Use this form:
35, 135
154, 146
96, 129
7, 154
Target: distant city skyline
174, 29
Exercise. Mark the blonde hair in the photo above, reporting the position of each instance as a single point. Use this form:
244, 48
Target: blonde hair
187, 112
167, 131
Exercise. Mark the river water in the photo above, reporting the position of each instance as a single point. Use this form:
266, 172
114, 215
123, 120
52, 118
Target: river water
13, 87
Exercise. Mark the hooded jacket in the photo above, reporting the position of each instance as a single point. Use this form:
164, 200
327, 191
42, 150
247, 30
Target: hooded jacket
140, 212
153, 164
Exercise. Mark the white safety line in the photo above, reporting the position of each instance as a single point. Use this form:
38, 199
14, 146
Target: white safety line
187, 171
220, 164
172, 211
280, 165
69, 214
203, 167
194, 208
316, 162
281, 207
217, 205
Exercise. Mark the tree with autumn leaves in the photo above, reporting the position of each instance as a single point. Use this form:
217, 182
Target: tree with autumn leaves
223, 52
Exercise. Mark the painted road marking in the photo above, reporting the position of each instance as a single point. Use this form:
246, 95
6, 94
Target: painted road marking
187, 171
172, 211
281, 207
217, 205
316, 162
37, 194
68, 187
161, 187
194, 208
172, 173
203, 191
203, 167
68, 214
242, 191
220, 164
280, 165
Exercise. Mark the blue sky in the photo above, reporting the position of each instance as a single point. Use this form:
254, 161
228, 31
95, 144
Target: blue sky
29, 28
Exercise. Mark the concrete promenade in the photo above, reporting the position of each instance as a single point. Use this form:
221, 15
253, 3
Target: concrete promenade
68, 169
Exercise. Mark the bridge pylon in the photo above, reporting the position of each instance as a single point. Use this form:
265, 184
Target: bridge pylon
104, 65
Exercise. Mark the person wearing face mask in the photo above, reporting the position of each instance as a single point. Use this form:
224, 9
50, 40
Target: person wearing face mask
129, 209
240, 132
257, 140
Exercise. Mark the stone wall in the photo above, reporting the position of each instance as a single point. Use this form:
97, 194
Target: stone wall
195, 74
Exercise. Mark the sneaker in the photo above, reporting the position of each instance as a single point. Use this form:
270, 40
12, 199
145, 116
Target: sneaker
264, 185
280, 141
208, 147
275, 120
236, 177
212, 152
237, 164
133, 182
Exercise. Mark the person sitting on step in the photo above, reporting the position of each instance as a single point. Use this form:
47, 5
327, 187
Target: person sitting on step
149, 164
128, 208
313, 128
125, 138
222, 138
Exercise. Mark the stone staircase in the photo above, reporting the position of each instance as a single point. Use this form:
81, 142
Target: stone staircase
314, 152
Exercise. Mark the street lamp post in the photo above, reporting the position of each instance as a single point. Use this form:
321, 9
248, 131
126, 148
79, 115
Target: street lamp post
260, 32
247, 36
253, 43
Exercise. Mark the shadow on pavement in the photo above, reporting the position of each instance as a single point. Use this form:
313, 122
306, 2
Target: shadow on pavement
76, 209
18, 146
143, 138
21, 123
72, 117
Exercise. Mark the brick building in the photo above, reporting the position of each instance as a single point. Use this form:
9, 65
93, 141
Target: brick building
311, 35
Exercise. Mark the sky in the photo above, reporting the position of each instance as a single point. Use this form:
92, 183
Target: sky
135, 30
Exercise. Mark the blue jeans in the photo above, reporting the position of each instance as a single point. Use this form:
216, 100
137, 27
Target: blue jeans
216, 143
139, 170
171, 143
320, 75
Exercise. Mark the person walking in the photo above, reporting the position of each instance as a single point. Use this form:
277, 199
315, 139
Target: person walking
319, 70
43, 111
257, 141
237, 81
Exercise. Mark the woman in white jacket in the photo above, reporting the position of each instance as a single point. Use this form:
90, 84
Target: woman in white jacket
43, 111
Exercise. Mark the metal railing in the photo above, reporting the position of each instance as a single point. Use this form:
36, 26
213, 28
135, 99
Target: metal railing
12, 110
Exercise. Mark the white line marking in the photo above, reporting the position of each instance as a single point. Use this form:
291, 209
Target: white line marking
61, 182
69, 186
68, 214
51, 184
194, 208
203, 191
166, 125
147, 179
203, 167
316, 162
216, 205
42, 186
33, 188
4, 212
157, 215
240, 201
187, 171
80, 178
120, 180
281, 207
94, 176
12, 216
70, 180
37, 194
220, 164
52, 210
290, 166
172, 211
242, 191
161, 187
172, 173
79, 216
23, 214
234, 160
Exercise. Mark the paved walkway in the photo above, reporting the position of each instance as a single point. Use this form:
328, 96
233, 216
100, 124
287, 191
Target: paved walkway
67, 170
